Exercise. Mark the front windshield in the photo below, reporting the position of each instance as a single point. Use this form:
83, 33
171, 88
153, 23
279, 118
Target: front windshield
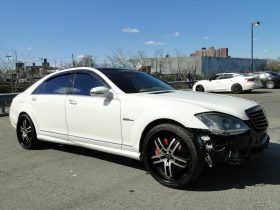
136, 82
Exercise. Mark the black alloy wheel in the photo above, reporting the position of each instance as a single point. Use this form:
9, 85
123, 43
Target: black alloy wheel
26, 132
236, 88
171, 157
199, 88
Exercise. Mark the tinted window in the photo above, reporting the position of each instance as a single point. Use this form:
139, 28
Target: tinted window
135, 82
215, 77
40, 89
84, 82
57, 85
227, 76
273, 74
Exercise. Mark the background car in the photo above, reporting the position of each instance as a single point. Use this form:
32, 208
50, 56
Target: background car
269, 79
228, 82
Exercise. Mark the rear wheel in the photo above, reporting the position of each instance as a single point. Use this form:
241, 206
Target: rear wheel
236, 88
199, 88
171, 157
270, 84
26, 132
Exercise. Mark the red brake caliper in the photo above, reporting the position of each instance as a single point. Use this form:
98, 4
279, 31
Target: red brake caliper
157, 151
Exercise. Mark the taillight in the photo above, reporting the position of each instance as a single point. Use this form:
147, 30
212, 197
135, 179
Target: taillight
250, 79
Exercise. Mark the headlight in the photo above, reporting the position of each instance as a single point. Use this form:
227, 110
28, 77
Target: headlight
222, 124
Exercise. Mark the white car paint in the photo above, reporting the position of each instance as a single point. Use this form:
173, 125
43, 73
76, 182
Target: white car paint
223, 83
116, 125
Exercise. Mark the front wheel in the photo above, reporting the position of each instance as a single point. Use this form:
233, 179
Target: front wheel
171, 157
26, 132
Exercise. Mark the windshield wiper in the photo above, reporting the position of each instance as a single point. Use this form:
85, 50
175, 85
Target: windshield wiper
161, 91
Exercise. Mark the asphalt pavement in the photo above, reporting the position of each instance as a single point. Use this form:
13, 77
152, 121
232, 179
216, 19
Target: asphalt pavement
67, 177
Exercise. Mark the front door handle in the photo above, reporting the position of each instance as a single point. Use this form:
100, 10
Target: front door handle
34, 99
72, 101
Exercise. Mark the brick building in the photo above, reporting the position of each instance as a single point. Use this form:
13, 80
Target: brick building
211, 52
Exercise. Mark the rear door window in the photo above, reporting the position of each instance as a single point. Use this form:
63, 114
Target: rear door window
58, 84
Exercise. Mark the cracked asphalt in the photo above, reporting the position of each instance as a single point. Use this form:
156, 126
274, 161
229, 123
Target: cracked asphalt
66, 177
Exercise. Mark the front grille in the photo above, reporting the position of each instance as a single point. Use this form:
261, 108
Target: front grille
257, 117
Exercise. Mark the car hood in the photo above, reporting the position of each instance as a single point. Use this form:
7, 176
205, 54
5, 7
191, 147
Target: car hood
212, 102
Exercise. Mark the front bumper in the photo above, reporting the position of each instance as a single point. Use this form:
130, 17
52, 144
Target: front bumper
231, 149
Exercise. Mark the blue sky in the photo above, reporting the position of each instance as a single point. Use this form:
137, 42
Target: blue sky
57, 28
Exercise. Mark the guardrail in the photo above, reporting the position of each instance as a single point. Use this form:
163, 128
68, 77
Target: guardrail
5, 101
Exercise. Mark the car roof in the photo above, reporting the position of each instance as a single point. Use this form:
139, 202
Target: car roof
226, 73
112, 69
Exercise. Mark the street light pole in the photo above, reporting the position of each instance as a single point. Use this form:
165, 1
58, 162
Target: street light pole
253, 24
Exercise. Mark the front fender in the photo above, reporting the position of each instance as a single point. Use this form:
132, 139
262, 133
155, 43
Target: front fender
132, 130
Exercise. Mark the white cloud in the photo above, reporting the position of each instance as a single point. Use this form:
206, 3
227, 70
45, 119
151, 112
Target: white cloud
154, 43
175, 34
131, 30
80, 56
29, 48
265, 51
206, 37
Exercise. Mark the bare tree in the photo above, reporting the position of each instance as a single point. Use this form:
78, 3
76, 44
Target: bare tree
86, 61
161, 57
179, 62
119, 58
122, 59
136, 59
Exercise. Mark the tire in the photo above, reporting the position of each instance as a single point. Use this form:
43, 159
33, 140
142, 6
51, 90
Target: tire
199, 88
171, 157
236, 88
270, 84
26, 132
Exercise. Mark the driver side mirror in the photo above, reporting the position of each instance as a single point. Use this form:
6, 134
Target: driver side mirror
101, 91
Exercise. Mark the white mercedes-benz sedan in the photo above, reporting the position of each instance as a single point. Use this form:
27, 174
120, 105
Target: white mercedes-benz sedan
133, 114
228, 82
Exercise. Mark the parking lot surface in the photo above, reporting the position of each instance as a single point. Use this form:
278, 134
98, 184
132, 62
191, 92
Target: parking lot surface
66, 177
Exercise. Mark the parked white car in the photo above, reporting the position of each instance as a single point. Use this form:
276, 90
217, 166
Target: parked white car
132, 113
228, 82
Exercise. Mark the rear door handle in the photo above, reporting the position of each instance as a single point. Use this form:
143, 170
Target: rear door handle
72, 101
34, 99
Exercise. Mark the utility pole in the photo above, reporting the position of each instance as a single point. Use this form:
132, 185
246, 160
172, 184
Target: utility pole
253, 24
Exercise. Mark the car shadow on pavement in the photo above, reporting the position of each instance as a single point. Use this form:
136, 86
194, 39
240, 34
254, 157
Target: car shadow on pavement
258, 92
253, 92
263, 169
